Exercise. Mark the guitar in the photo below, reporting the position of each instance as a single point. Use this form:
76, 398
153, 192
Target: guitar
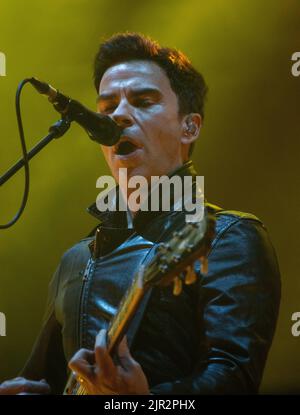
172, 263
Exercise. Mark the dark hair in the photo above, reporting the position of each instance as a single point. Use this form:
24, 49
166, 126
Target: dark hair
187, 83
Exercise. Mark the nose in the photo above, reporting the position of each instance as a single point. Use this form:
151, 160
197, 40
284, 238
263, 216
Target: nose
121, 115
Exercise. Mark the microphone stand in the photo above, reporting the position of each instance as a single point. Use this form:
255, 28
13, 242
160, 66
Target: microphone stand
57, 130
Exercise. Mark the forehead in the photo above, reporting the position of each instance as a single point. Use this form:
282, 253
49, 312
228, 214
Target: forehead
133, 74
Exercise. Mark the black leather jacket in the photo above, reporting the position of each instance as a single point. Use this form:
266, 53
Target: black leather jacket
212, 339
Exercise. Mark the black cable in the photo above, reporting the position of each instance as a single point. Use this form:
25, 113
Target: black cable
24, 150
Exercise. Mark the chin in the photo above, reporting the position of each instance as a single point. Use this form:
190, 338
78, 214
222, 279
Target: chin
138, 171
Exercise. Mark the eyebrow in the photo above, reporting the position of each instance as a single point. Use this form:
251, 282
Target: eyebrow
133, 92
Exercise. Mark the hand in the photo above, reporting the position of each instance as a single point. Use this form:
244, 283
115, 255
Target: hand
22, 386
100, 376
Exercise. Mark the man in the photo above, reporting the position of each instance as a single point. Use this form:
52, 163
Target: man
215, 336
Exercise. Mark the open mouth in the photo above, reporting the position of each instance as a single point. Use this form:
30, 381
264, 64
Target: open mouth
125, 147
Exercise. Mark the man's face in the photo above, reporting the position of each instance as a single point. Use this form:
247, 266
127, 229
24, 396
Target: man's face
137, 95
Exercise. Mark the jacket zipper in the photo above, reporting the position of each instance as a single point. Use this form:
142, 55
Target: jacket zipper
85, 279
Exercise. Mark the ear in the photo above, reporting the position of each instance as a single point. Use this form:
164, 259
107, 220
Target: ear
191, 124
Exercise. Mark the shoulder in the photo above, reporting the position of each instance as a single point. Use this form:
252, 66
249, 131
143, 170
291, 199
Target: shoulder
228, 219
240, 232
242, 241
75, 258
80, 248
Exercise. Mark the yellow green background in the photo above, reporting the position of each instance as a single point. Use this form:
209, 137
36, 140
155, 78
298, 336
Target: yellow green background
248, 150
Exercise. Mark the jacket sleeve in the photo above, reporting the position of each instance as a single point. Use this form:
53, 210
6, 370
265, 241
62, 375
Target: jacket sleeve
238, 307
47, 359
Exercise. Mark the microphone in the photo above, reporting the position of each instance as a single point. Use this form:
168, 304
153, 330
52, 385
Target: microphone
100, 128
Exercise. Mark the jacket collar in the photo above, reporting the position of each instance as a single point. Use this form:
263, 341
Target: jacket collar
118, 219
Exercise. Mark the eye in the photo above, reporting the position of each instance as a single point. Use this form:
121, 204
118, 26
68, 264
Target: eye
108, 109
143, 102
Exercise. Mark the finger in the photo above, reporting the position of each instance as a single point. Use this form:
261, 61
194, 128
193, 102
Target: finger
22, 385
38, 387
82, 363
102, 356
124, 355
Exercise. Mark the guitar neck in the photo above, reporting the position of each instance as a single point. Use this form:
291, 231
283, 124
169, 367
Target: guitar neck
126, 311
